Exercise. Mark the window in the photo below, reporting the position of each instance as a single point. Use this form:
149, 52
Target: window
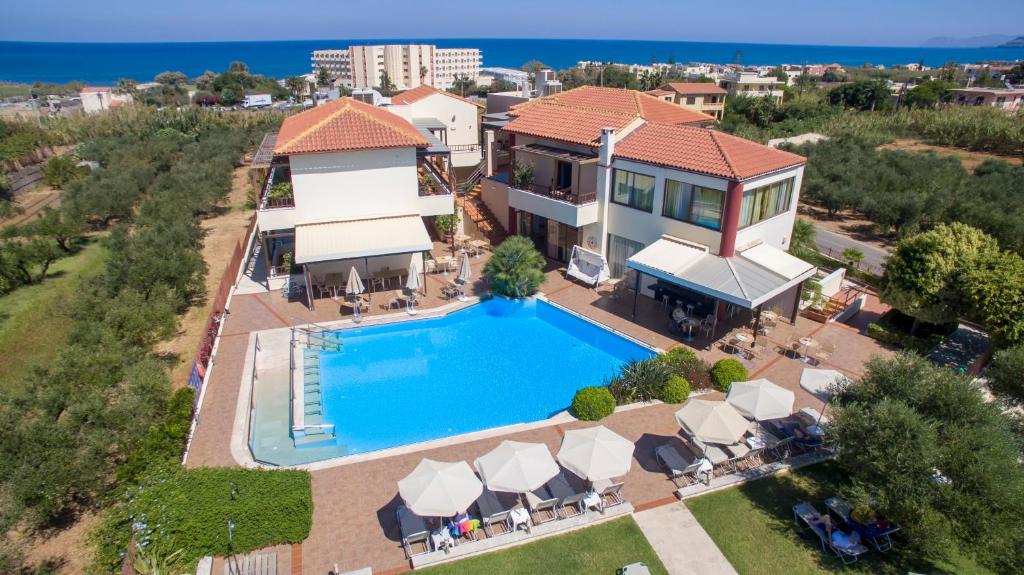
693, 204
767, 201
634, 190
691, 100
619, 250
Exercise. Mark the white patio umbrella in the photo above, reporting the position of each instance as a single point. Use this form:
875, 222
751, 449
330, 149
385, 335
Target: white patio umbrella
760, 399
596, 453
354, 288
516, 467
440, 488
712, 421
817, 382
413, 285
465, 274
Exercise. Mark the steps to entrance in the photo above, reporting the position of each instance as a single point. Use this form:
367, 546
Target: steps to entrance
480, 218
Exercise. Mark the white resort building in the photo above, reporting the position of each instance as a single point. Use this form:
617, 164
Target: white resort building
407, 65
641, 187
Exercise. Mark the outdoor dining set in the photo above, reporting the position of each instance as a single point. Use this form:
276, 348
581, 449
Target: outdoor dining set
515, 487
754, 424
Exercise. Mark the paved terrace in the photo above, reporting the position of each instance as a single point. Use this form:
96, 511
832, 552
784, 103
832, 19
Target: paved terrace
353, 520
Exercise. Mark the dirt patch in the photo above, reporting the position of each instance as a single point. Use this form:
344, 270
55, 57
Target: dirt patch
847, 223
970, 160
223, 232
68, 549
31, 203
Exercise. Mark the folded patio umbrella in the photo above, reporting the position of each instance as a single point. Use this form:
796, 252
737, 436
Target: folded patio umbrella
414, 282
596, 453
818, 382
355, 285
712, 421
465, 274
440, 488
760, 399
517, 467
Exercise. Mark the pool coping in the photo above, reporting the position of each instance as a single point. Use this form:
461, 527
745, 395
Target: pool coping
241, 453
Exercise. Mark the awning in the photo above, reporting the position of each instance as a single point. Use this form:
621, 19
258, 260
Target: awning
424, 126
265, 153
344, 240
752, 277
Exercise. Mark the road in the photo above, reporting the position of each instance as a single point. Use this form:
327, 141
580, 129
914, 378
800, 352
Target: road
833, 244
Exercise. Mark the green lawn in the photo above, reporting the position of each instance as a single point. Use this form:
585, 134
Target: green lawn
753, 526
8, 90
602, 549
33, 320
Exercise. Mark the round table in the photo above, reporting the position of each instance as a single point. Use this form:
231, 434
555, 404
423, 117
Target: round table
743, 337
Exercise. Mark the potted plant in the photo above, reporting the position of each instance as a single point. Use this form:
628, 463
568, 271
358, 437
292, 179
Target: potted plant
522, 175
446, 224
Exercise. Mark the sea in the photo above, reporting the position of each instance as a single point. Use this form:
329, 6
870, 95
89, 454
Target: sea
104, 63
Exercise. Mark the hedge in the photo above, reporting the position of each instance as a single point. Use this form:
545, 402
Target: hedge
676, 390
178, 509
593, 403
165, 441
726, 371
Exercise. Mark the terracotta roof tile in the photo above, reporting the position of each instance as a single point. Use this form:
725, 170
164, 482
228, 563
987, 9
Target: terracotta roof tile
658, 92
578, 115
703, 151
343, 125
422, 91
694, 88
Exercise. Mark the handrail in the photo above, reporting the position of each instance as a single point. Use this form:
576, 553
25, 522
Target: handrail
560, 194
252, 397
438, 178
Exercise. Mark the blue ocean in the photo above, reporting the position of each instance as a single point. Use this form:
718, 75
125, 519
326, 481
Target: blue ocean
102, 63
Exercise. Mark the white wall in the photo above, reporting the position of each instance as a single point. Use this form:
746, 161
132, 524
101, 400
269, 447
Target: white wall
494, 193
462, 119
646, 227
93, 102
354, 185
777, 230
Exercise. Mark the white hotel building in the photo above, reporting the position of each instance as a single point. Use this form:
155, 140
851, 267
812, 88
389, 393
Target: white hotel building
408, 65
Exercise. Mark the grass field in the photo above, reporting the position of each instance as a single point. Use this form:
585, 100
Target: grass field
33, 320
753, 526
8, 90
602, 549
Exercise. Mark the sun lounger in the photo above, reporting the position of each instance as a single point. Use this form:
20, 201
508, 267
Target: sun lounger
542, 505
570, 502
493, 514
878, 536
808, 518
611, 496
678, 467
414, 530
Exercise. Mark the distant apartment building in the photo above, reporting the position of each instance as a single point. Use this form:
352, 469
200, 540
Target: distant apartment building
407, 65
97, 99
1009, 99
702, 97
752, 84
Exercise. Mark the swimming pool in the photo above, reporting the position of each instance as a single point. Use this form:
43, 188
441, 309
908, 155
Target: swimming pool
496, 363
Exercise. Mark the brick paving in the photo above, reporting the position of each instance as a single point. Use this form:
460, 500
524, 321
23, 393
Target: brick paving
353, 518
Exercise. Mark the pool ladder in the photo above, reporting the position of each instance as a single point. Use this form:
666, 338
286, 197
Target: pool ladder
311, 395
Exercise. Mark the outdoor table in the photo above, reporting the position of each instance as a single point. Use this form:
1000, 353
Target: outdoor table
478, 246
742, 337
386, 275
592, 500
756, 442
442, 540
806, 342
334, 282
519, 516
445, 262
689, 323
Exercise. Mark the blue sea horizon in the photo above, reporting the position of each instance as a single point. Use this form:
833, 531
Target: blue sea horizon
104, 63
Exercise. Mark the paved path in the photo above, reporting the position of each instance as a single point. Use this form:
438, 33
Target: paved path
681, 543
832, 244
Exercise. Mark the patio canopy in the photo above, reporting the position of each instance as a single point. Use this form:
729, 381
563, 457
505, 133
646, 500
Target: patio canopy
440, 488
342, 240
753, 276
760, 399
596, 453
818, 382
712, 421
516, 467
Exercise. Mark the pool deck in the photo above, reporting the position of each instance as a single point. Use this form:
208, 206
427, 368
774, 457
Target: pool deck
353, 519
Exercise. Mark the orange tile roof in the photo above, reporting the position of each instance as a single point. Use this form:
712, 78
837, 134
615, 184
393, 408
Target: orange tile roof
658, 92
422, 91
344, 125
703, 151
578, 115
694, 88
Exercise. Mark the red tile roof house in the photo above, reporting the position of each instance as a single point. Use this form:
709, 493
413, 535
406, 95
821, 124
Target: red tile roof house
700, 96
355, 197
667, 204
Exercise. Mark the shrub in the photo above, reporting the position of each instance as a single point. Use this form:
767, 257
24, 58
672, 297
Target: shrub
176, 508
1004, 374
685, 363
593, 403
726, 371
165, 441
675, 390
516, 268
59, 171
640, 380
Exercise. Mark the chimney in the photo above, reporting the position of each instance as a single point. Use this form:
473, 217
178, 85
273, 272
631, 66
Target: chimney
607, 147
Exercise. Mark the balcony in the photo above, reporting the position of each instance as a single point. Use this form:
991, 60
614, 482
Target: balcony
562, 205
277, 200
574, 204
435, 190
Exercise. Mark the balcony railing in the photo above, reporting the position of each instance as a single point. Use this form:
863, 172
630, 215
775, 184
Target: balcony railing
560, 194
464, 147
277, 174
438, 184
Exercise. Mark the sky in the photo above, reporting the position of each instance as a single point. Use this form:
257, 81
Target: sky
832, 22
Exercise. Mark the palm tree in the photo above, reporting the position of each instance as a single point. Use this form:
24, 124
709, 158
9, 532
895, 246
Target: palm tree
423, 73
802, 242
296, 85
516, 268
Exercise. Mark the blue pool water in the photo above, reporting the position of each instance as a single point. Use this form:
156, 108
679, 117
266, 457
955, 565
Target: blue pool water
497, 363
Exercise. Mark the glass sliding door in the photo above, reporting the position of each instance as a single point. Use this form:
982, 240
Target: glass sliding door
619, 250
